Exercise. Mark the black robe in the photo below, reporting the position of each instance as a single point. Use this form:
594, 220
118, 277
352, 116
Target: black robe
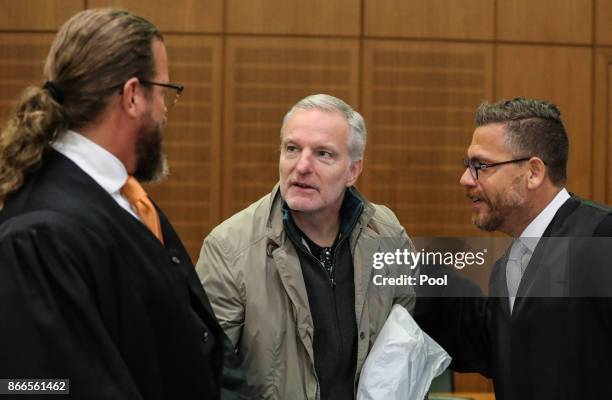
88, 293
557, 342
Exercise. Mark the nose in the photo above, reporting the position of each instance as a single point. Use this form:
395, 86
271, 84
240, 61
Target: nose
304, 164
467, 180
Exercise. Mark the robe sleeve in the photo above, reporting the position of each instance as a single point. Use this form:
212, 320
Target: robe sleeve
50, 324
458, 317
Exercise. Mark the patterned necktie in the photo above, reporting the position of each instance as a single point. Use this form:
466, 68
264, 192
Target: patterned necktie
514, 269
142, 206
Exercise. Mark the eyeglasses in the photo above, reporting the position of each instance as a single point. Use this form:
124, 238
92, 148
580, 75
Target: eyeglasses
475, 166
170, 96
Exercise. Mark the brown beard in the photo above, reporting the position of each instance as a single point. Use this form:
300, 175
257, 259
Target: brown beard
498, 212
491, 223
151, 165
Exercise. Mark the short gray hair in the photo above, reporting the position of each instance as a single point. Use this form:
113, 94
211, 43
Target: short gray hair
324, 102
533, 129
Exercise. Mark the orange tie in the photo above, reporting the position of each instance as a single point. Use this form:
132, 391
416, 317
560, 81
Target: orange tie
142, 206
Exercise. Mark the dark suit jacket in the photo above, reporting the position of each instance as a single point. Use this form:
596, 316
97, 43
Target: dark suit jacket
557, 343
89, 294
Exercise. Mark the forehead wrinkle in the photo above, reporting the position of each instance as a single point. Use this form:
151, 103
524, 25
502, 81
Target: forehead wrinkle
488, 151
476, 152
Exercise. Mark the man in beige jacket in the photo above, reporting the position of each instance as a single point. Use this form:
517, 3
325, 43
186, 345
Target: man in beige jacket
290, 277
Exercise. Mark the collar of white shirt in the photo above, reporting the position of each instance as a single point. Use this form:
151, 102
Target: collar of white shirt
534, 231
93, 159
97, 162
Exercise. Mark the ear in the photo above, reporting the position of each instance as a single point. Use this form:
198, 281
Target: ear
354, 172
537, 172
131, 97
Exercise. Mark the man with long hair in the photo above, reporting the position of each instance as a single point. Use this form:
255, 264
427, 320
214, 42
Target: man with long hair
95, 285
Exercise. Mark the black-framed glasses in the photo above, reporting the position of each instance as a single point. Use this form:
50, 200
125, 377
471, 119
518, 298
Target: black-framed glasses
475, 166
170, 96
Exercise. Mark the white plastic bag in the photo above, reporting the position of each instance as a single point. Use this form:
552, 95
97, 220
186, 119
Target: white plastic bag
403, 361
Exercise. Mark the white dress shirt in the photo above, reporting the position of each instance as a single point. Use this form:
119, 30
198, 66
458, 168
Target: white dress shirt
97, 162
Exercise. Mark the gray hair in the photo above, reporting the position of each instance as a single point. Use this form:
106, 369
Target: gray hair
324, 102
533, 129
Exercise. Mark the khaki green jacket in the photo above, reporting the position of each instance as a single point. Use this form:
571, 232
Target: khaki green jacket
252, 275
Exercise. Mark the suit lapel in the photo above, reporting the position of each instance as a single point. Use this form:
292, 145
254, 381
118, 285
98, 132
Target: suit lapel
176, 246
546, 273
498, 285
528, 280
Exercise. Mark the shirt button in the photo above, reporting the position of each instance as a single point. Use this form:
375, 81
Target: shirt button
176, 260
362, 335
205, 337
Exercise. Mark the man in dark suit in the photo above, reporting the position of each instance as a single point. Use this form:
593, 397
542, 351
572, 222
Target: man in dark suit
545, 329
95, 285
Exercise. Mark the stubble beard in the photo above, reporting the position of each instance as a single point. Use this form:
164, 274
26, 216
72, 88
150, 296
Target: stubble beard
499, 211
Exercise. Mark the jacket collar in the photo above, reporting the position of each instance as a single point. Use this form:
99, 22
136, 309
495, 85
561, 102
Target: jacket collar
275, 226
350, 211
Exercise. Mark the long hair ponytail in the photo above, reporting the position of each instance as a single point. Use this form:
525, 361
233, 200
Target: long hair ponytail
35, 123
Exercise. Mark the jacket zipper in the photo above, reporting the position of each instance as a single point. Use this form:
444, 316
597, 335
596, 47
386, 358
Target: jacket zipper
330, 274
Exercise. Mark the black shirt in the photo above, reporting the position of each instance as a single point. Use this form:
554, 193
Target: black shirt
331, 296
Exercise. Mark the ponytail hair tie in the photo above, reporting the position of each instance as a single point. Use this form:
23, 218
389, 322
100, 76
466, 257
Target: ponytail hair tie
55, 91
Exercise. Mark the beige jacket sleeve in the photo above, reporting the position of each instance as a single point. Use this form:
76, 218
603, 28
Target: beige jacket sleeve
404, 295
214, 267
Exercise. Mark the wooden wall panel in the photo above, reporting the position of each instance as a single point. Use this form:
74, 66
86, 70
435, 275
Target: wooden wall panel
561, 21
561, 75
173, 16
602, 129
265, 77
322, 17
419, 100
37, 14
454, 19
603, 24
418, 97
22, 58
608, 131
192, 140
